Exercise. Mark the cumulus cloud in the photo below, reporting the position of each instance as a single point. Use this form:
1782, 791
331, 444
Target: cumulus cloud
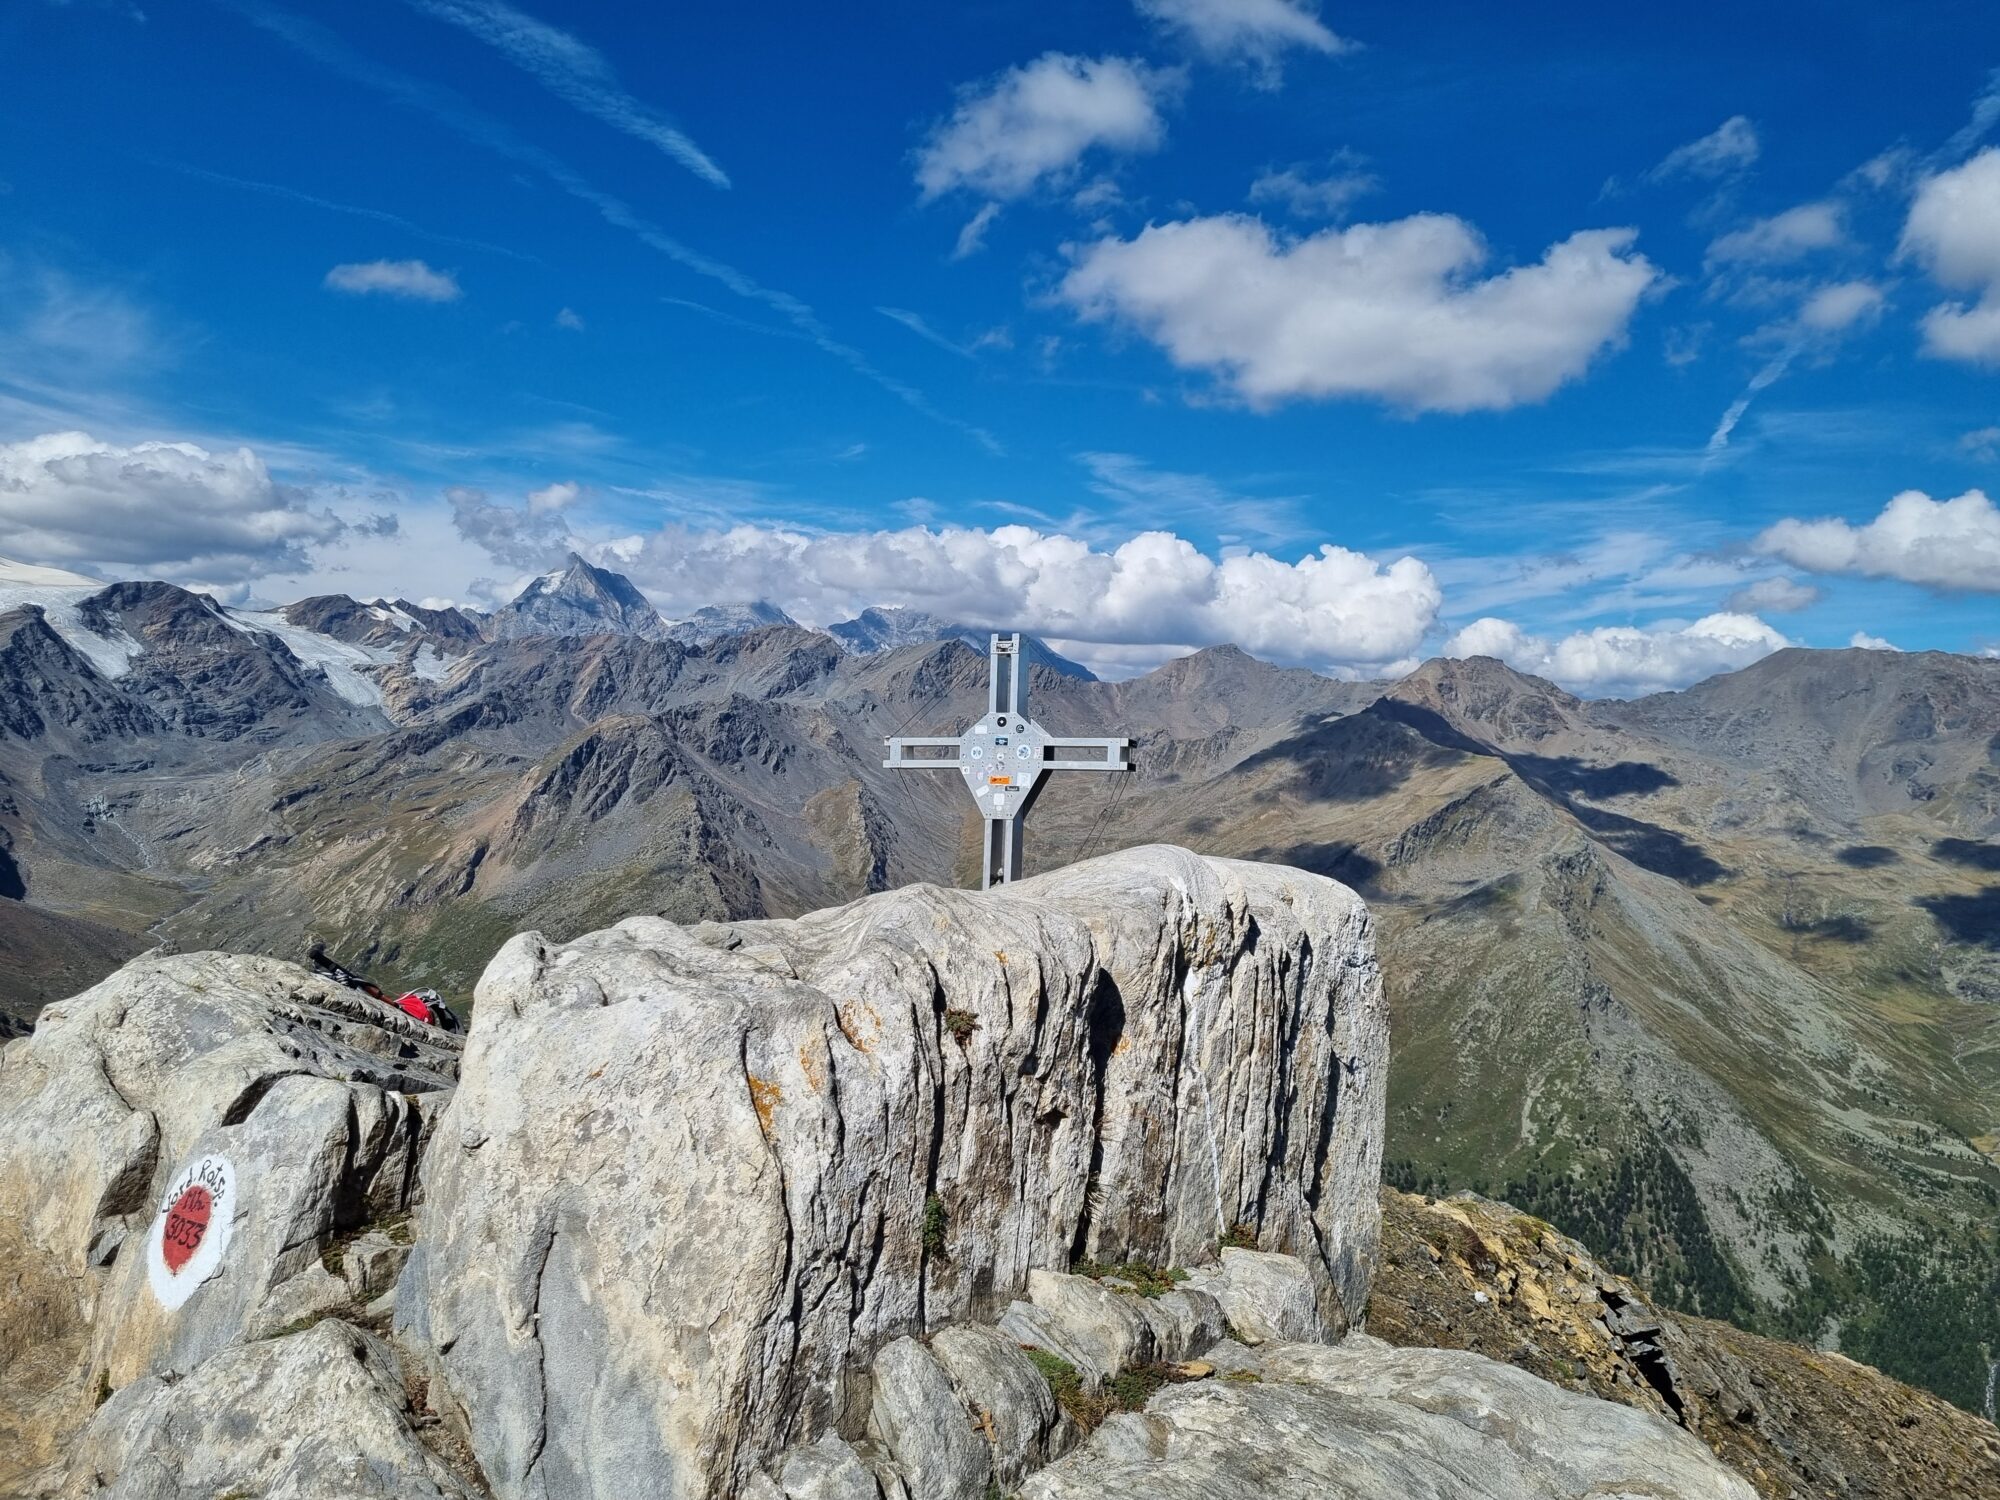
530, 537
394, 278
1316, 193
169, 510
1624, 659
1778, 596
1033, 124
1953, 231
1941, 544
1783, 237
1393, 311
1328, 608
1253, 31
1840, 306
1730, 148
570, 319
574, 72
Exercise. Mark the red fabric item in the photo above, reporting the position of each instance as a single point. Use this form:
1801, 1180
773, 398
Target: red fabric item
413, 1006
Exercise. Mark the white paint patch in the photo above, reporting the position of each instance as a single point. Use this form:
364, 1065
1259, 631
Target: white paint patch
191, 1230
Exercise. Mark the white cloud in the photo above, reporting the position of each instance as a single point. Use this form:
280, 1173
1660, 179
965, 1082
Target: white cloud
395, 278
1953, 231
1943, 544
1393, 311
574, 72
528, 537
555, 498
1982, 443
171, 510
1970, 334
1840, 306
1621, 658
1728, 149
1253, 31
570, 319
1313, 193
1777, 595
972, 237
1862, 641
1330, 607
1783, 237
1032, 125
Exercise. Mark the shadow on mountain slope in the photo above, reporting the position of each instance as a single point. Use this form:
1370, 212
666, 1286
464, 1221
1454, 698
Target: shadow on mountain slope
1563, 779
1338, 861
1568, 774
1357, 758
1968, 919
1967, 852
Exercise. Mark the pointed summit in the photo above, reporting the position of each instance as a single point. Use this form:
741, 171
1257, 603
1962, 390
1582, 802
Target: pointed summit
579, 599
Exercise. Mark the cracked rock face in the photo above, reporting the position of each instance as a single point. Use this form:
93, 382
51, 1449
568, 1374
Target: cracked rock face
695, 1179
315, 1099
1368, 1421
317, 1413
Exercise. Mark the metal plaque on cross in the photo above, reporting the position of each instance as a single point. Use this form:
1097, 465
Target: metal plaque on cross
1005, 758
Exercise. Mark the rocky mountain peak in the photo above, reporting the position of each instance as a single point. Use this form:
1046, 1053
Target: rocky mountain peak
578, 599
714, 620
1484, 698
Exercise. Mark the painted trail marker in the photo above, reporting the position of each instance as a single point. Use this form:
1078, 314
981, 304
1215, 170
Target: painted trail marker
1005, 758
191, 1229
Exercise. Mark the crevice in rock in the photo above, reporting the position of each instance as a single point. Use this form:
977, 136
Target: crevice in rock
541, 1355
244, 1104
1104, 1019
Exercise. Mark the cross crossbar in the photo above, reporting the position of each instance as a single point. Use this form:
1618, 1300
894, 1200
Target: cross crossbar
1005, 758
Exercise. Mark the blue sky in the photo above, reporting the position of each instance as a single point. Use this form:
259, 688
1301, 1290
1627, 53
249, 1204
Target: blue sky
1601, 341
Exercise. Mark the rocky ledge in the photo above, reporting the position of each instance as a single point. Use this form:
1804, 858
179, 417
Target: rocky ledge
1062, 1190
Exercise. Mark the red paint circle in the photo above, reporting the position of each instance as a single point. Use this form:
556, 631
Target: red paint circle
187, 1222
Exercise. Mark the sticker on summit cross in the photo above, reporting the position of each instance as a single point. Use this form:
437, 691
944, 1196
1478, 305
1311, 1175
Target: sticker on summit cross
191, 1229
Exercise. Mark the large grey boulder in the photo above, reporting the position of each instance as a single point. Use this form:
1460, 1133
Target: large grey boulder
178, 1145
917, 1416
695, 1178
1364, 1421
318, 1414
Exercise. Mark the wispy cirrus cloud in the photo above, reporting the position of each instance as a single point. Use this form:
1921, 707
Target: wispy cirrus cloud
319, 44
412, 280
1727, 151
332, 205
916, 324
1257, 32
574, 72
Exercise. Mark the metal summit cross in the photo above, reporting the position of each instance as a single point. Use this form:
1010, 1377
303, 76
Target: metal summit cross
1005, 758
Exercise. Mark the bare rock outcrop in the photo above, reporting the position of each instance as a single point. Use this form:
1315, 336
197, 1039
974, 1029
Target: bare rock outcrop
1302, 1421
319, 1413
180, 1145
695, 1179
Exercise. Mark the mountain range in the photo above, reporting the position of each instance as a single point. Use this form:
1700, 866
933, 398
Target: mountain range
1710, 979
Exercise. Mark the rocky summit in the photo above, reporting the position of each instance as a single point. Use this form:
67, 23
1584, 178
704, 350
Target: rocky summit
1062, 1190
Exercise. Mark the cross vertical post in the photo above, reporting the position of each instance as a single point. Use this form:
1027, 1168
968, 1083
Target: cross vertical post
1005, 759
